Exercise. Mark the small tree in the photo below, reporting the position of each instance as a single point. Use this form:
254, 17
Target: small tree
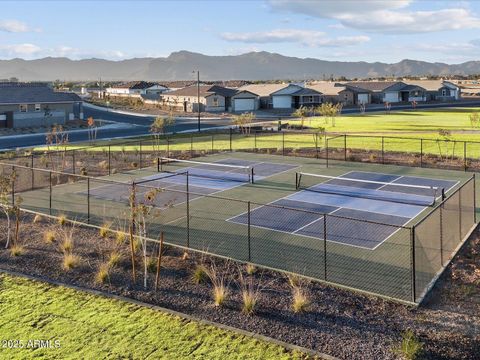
301, 113
6, 204
474, 119
159, 126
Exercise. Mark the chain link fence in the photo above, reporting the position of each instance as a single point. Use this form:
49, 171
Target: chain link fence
403, 264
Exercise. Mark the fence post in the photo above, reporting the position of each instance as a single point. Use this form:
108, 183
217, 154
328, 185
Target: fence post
441, 234
474, 178
13, 185
325, 246
326, 151
460, 215
109, 160
249, 235
412, 263
73, 161
188, 211
88, 200
33, 173
345, 147
465, 156
421, 152
383, 149
50, 193
231, 139
158, 164
191, 145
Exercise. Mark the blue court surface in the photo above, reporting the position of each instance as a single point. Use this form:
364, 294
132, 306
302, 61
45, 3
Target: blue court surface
203, 179
365, 214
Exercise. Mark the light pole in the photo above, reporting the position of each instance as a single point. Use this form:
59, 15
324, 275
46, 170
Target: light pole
198, 98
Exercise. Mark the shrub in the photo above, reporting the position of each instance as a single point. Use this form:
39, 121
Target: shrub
103, 273
120, 237
250, 293
16, 250
114, 259
49, 236
67, 245
151, 264
219, 280
294, 280
300, 301
70, 261
104, 230
409, 348
250, 269
200, 274
220, 293
62, 219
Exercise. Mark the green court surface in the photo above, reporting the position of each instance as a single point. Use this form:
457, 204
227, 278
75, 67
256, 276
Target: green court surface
214, 221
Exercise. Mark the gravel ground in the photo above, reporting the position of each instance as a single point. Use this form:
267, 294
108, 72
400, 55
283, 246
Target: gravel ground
338, 322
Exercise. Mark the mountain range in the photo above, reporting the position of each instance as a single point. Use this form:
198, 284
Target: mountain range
250, 66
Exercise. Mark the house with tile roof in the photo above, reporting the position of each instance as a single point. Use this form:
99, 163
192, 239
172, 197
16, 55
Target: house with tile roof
135, 88
36, 104
209, 97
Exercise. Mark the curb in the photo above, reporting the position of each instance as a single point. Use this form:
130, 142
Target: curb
291, 347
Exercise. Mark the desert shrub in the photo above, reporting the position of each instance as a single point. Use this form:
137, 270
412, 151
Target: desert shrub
410, 347
16, 250
120, 237
300, 301
103, 273
200, 274
250, 269
70, 261
114, 259
104, 230
62, 219
49, 236
220, 281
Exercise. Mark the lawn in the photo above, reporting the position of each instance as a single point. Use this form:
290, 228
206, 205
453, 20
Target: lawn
93, 327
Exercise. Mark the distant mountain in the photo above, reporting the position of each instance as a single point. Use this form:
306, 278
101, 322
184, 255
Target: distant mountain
249, 66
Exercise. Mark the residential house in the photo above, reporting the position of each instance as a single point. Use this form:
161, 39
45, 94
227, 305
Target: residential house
294, 96
438, 90
211, 98
135, 89
263, 92
33, 105
390, 91
244, 101
337, 93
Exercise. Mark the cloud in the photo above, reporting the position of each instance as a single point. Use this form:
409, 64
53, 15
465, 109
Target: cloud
471, 47
305, 37
15, 26
19, 50
389, 17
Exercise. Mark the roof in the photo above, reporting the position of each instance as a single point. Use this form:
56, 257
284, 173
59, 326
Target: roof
23, 93
306, 91
135, 85
205, 90
262, 89
327, 88
411, 87
430, 85
373, 85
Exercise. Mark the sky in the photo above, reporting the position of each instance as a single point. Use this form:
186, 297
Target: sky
335, 30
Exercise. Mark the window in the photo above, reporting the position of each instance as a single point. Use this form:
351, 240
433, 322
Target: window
38, 107
23, 107
215, 101
444, 92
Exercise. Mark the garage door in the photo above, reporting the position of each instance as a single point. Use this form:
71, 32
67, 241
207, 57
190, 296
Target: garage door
363, 98
244, 104
282, 102
391, 96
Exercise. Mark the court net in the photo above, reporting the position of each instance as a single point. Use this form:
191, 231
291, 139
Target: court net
209, 170
369, 189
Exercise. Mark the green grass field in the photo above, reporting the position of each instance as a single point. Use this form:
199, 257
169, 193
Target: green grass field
93, 327
408, 124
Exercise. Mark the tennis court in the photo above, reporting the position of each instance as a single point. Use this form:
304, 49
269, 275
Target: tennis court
377, 199
180, 179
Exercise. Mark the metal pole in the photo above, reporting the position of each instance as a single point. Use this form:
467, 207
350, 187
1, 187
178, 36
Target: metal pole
88, 200
421, 152
441, 234
188, 212
50, 193
231, 139
33, 173
474, 198
249, 235
383, 149
198, 98
412, 263
13, 185
158, 164
460, 215
325, 246
73, 161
